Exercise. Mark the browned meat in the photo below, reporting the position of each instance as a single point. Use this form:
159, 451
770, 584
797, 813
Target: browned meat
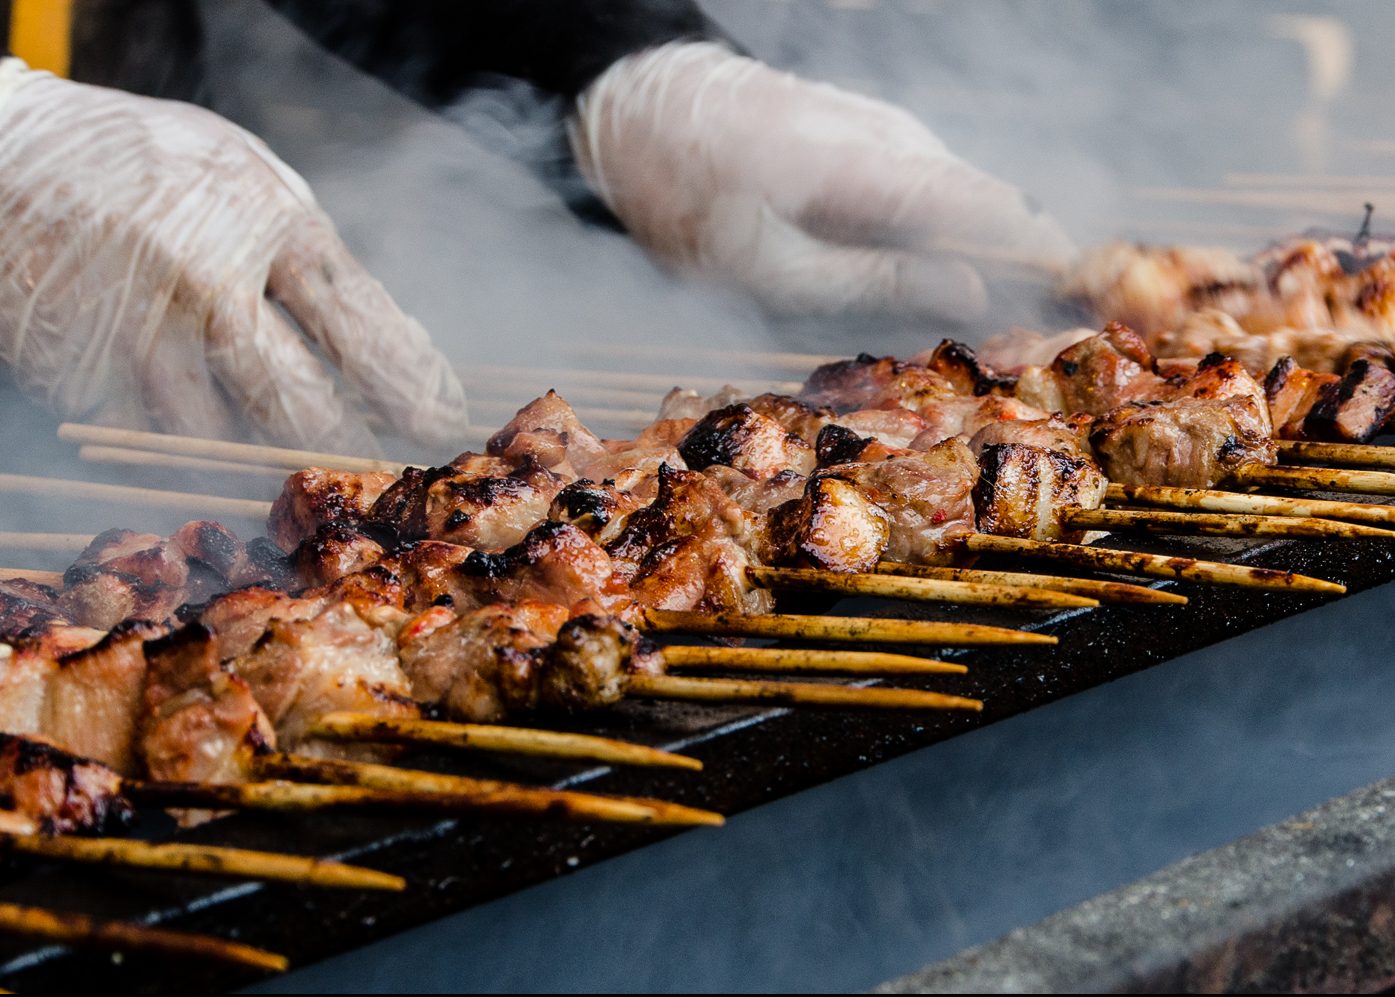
600, 511
302, 669
24, 678
666, 431
839, 445
687, 405
875, 382
927, 494
237, 620
316, 496
1186, 443
963, 417
586, 667
333, 552
61, 792
427, 569
1292, 392
958, 364
755, 496
802, 420
200, 722
1094, 375
707, 574
1022, 490
740, 437
93, 696
896, 427
540, 428
1067, 436
479, 666
555, 562
488, 513
1357, 408
688, 503
833, 525
25, 604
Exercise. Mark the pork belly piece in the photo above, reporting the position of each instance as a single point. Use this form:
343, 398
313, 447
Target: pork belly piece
1291, 392
958, 364
598, 510
427, 570
300, 670
833, 526
1357, 407
236, 620
1023, 489
927, 494
540, 428
740, 437
24, 678
1186, 443
555, 562
799, 418
480, 666
93, 700
1068, 436
334, 551
688, 503
317, 495
875, 382
1094, 375
62, 792
200, 721
706, 574
755, 496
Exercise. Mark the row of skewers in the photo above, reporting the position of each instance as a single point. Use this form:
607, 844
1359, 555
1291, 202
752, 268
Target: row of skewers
538, 562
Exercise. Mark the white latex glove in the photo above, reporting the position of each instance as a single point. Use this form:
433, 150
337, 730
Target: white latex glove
151, 253
810, 197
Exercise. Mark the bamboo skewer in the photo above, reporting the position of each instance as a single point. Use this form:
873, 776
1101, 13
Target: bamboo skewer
206, 505
1104, 591
1321, 478
844, 628
659, 384
406, 793
368, 777
195, 446
80, 929
1355, 454
1155, 565
53, 579
708, 690
203, 859
1217, 524
63, 543
918, 589
786, 659
1249, 502
488, 737
150, 458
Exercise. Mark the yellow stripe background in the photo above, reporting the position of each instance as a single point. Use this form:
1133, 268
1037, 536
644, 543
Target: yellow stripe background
41, 33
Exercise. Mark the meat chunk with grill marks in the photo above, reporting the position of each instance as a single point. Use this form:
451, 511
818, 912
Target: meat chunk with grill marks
927, 494
1067, 436
740, 437
688, 503
300, 670
429, 576
754, 496
1023, 489
540, 427
200, 722
799, 418
598, 510
235, 621
1094, 375
124, 575
1357, 407
555, 562
875, 382
895, 427
706, 574
318, 495
93, 696
958, 364
1292, 392
586, 667
476, 510
334, 551
833, 526
60, 791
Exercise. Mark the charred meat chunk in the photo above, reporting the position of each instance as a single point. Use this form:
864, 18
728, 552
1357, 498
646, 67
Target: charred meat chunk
1023, 489
833, 526
706, 574
62, 793
740, 437
318, 495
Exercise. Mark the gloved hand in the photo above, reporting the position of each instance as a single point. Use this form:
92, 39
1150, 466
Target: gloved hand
810, 197
151, 254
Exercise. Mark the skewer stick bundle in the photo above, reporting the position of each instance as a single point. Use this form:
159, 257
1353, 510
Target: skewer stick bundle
53, 579
788, 659
918, 589
63, 543
202, 859
709, 690
1249, 502
127, 457
1104, 591
844, 628
79, 929
490, 737
1155, 565
366, 777
1217, 524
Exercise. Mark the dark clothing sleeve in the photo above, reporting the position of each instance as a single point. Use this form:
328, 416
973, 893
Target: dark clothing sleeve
433, 50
